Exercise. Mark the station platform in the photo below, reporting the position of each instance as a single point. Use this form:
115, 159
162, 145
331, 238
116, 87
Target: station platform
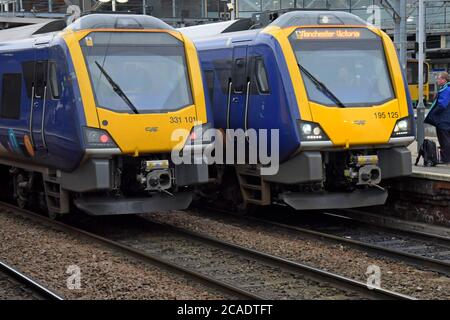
423, 196
440, 172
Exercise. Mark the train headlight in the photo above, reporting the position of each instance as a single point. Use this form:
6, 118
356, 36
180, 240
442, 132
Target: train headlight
98, 139
306, 129
402, 128
311, 131
317, 131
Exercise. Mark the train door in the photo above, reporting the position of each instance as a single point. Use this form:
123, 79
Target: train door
39, 97
240, 86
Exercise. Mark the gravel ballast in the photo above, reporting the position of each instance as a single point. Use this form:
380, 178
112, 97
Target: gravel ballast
45, 254
349, 262
10, 289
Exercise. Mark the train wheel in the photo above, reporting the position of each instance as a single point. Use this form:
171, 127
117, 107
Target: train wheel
22, 188
28, 190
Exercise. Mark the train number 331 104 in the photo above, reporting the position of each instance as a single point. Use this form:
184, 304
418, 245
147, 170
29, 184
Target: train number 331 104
182, 119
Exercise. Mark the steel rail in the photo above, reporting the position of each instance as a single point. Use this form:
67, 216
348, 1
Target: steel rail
436, 265
418, 229
211, 282
411, 258
320, 275
35, 286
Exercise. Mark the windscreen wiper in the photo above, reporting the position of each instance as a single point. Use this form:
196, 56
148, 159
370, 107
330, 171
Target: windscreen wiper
323, 88
117, 89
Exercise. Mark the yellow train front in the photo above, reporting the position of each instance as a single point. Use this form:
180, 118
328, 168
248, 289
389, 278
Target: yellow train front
333, 87
412, 76
92, 112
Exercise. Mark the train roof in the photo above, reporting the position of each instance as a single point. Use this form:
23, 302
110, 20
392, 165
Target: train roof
238, 29
305, 18
119, 21
221, 40
211, 29
25, 32
92, 21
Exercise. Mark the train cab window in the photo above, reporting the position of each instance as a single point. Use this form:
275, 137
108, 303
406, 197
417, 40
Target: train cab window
11, 93
150, 68
261, 76
54, 81
239, 75
352, 67
40, 78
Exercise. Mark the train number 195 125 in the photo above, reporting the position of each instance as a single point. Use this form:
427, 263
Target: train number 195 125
386, 115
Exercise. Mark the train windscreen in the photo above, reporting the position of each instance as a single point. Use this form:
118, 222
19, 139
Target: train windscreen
342, 66
137, 72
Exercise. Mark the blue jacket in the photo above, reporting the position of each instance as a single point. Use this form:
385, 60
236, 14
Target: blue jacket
439, 114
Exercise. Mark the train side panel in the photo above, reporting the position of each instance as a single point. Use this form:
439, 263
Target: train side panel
266, 110
53, 126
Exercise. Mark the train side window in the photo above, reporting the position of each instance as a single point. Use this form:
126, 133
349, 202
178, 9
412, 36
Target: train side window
41, 78
239, 75
54, 81
11, 93
261, 76
209, 74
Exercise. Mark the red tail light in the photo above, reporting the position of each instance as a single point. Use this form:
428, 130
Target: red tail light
104, 138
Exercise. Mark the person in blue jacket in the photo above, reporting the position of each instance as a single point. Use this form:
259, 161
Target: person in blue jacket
439, 116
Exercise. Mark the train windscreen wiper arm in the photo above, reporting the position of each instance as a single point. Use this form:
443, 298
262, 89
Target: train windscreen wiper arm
117, 89
321, 86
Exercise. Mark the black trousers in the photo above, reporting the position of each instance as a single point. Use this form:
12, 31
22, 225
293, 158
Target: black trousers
444, 142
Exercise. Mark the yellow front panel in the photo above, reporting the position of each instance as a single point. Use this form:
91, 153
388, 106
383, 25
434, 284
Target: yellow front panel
414, 92
299, 89
195, 76
357, 126
146, 133
87, 95
426, 91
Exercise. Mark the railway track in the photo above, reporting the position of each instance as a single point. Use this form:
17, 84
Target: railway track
263, 274
417, 248
268, 269
27, 284
231, 269
145, 257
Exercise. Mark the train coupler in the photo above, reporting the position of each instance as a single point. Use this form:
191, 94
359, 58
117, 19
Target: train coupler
364, 170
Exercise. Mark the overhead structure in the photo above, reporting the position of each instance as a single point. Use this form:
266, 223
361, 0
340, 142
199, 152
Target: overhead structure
114, 2
397, 8
420, 105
